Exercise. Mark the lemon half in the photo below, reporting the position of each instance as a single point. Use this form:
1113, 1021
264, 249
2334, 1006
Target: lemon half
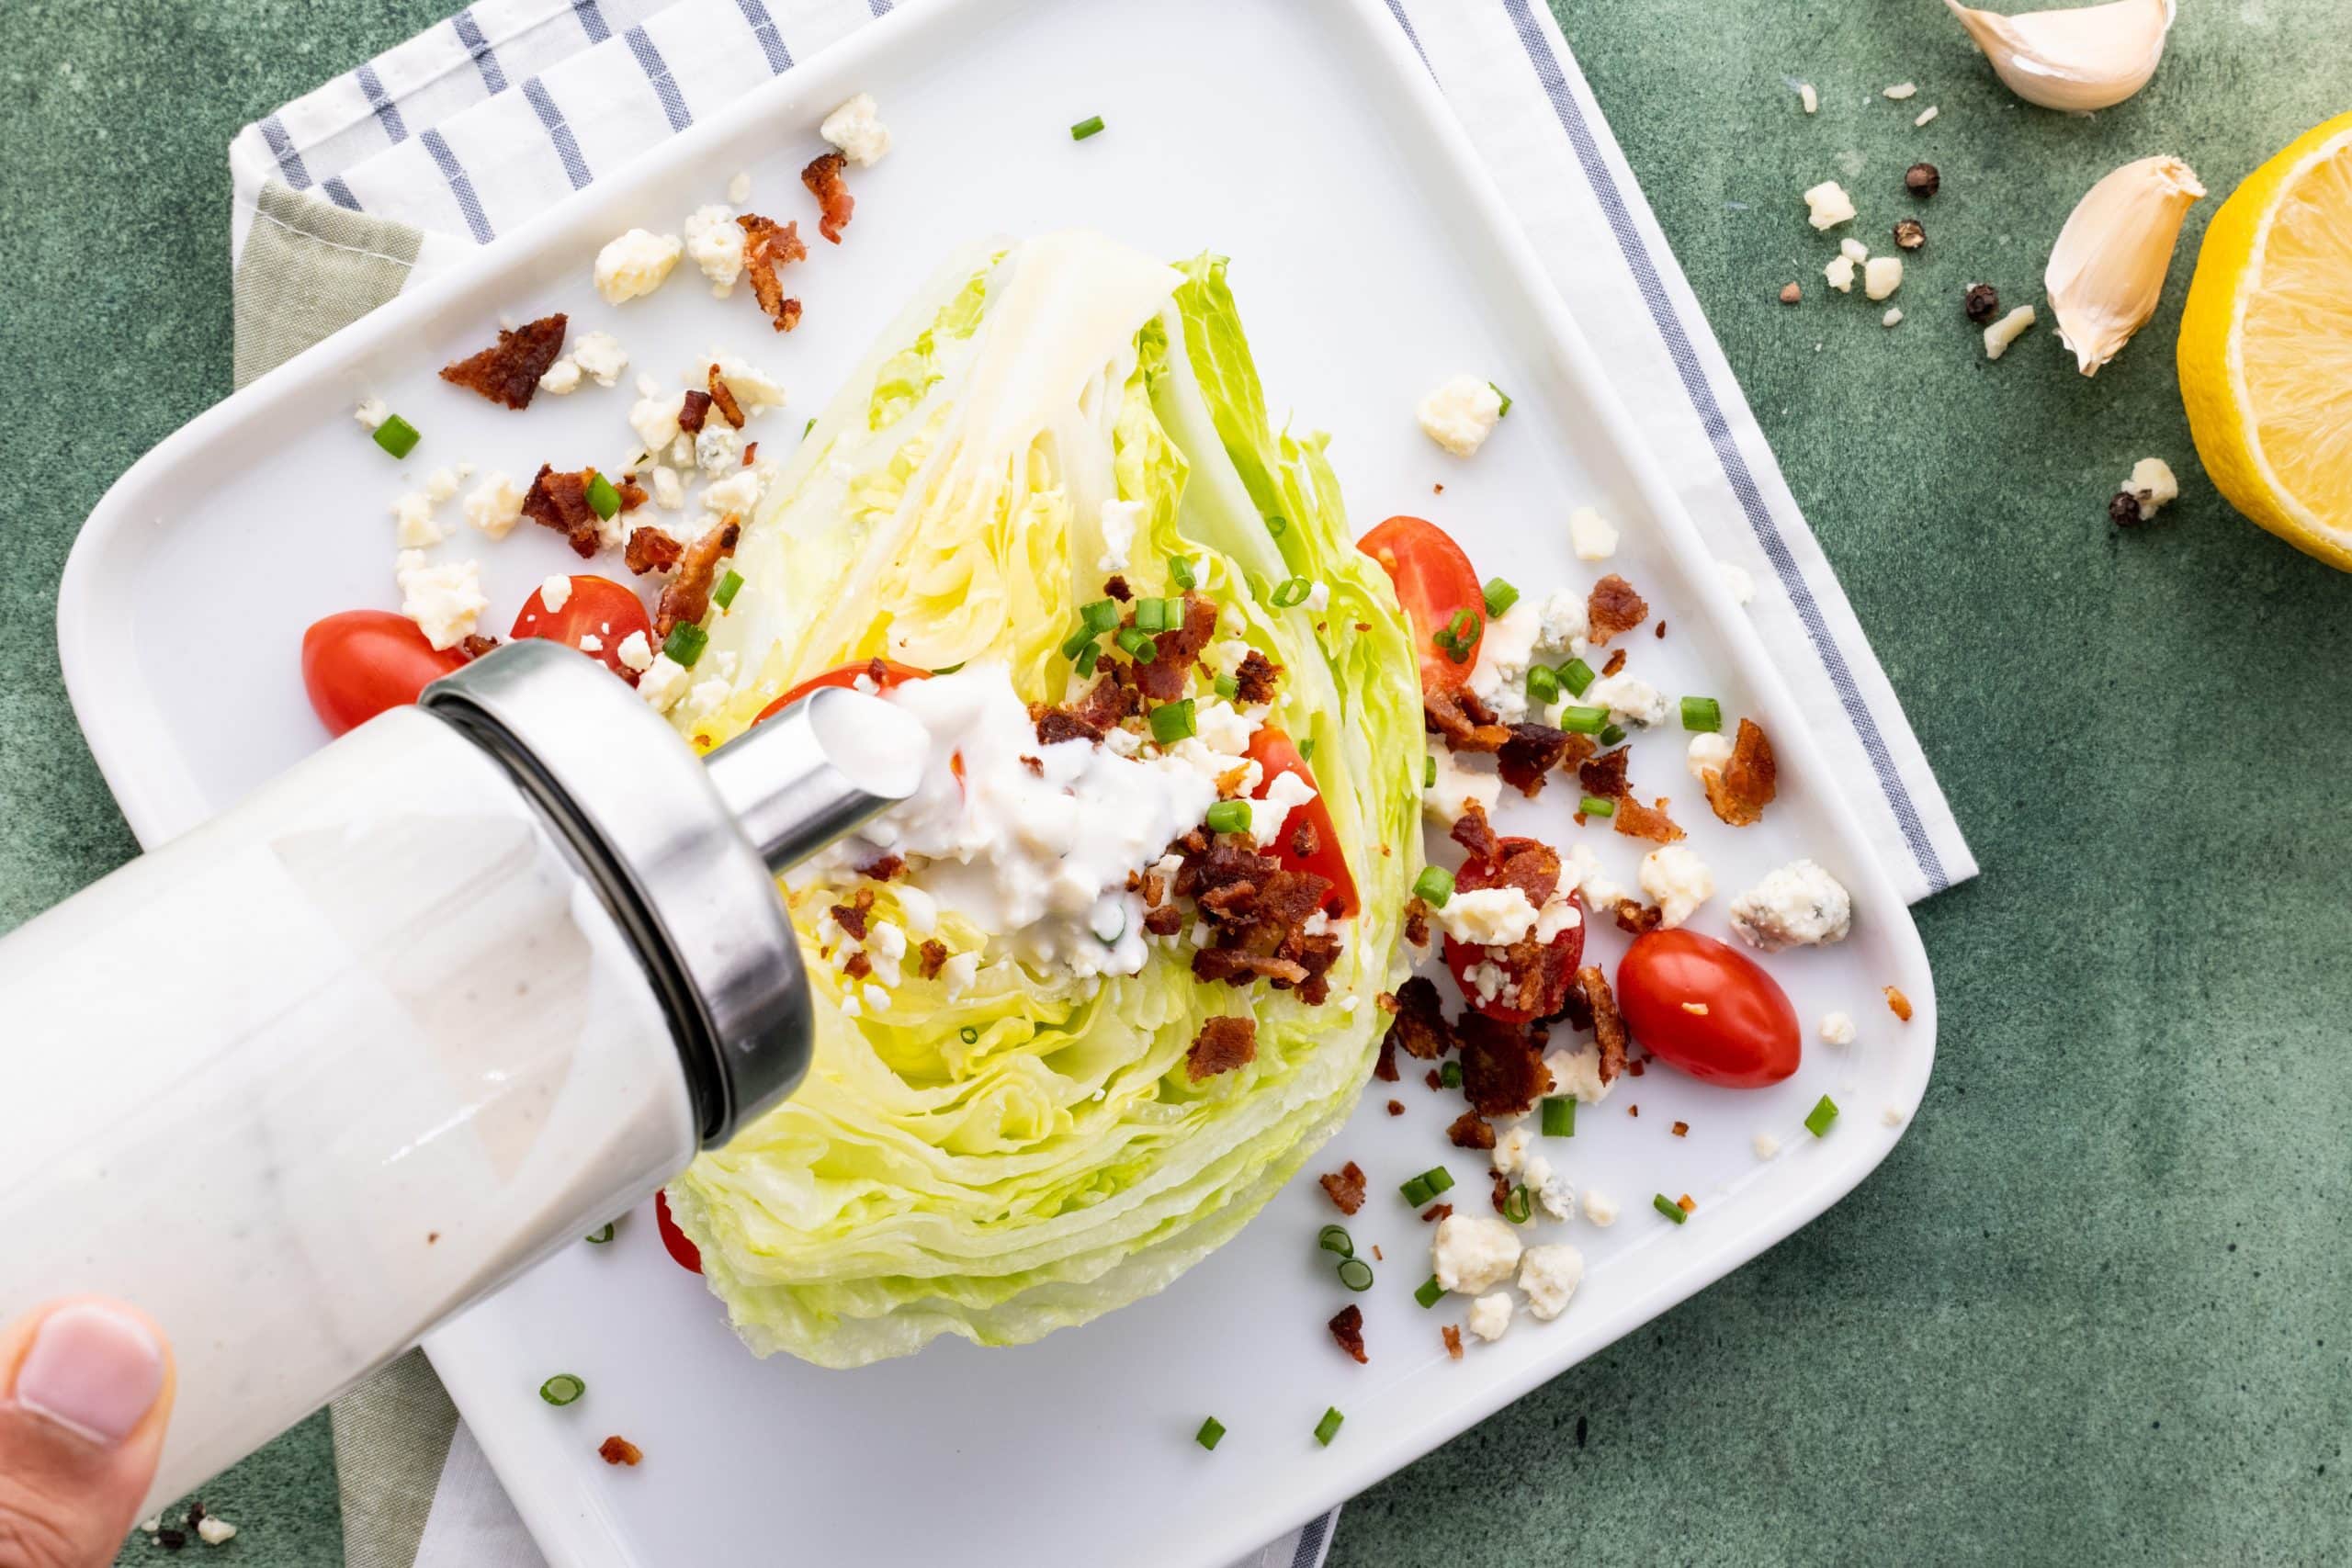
2265, 345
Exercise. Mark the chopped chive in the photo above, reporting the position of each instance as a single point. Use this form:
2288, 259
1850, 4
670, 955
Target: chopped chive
1504, 410
685, 643
1099, 616
1276, 526
1329, 1428
1091, 125
1086, 657
970, 1036
1356, 1274
1292, 591
1211, 1433
1583, 721
1417, 1191
1171, 722
1543, 685
1575, 675
1226, 687
807, 427
951, 669
1817, 1120
1519, 1205
1171, 610
1702, 713
1076, 641
1228, 817
1428, 771
1139, 646
1180, 571
1559, 1116
1669, 1208
562, 1389
1450, 1075
1596, 805
1612, 736
1335, 1238
1151, 614
1307, 749
601, 1234
1439, 1178
1433, 886
1430, 1292
603, 499
396, 435
728, 586
1500, 597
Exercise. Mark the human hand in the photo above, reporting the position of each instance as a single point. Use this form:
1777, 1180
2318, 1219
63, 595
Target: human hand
85, 1389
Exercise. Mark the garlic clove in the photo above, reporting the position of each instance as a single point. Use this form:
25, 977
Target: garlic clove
2088, 58
2107, 268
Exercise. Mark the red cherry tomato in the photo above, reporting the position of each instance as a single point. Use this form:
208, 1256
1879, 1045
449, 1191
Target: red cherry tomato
893, 673
358, 663
683, 1252
1748, 1036
597, 607
1273, 751
1435, 582
1556, 964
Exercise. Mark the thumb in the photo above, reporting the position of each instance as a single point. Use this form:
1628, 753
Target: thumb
85, 1388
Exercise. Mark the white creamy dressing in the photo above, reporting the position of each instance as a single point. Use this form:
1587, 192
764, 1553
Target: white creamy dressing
310, 1079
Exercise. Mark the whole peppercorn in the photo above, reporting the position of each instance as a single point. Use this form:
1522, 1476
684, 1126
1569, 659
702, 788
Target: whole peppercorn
1910, 233
1984, 302
1791, 294
2124, 510
1921, 179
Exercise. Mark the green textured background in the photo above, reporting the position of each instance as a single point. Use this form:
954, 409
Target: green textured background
2097, 1305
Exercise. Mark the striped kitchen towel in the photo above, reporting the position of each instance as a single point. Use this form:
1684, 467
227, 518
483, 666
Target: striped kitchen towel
463, 132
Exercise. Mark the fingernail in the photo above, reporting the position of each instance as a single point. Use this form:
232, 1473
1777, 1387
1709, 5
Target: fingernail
93, 1368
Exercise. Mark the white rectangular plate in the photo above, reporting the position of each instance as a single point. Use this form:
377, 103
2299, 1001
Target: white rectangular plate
1372, 259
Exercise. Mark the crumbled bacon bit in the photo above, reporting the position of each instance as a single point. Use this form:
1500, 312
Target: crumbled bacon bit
1638, 918
1661, 631
1253, 682
1417, 921
850, 917
858, 965
1740, 790
687, 598
751, 453
1420, 1026
651, 549
1613, 607
1532, 866
560, 501
1451, 1333
1036, 766
1345, 1187
1471, 1131
1117, 588
1898, 1004
1608, 1024
1168, 674
1686, 1205
474, 646
619, 1451
1432, 1079
1223, 1044
823, 178
768, 247
722, 396
1384, 1066
509, 371
1474, 833
1466, 723
933, 955
1638, 821
1527, 758
693, 411
1680, 1129
632, 494
1636, 1067
1604, 776
1502, 1191
1396, 1107
1502, 1065
1304, 841
1435, 1213
883, 870
1348, 1329
1258, 910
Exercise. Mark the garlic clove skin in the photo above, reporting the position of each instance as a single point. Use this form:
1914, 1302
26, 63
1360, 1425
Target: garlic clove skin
2088, 58
2108, 268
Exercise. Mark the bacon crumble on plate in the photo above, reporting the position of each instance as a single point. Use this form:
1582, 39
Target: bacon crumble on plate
1604, 776
723, 397
823, 178
1638, 821
768, 248
1420, 1024
1607, 1025
1222, 1045
651, 549
1614, 608
687, 598
1502, 1065
1435, 1213
509, 371
1471, 1131
560, 501
1346, 1186
1525, 760
1467, 723
692, 410
618, 1449
1452, 1334
1740, 790
1348, 1329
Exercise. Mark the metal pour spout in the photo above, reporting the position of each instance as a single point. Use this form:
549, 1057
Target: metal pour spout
817, 771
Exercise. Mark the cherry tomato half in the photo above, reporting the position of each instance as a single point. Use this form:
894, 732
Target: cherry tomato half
683, 1251
1748, 1035
1556, 964
1435, 582
1273, 751
358, 663
597, 607
847, 675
